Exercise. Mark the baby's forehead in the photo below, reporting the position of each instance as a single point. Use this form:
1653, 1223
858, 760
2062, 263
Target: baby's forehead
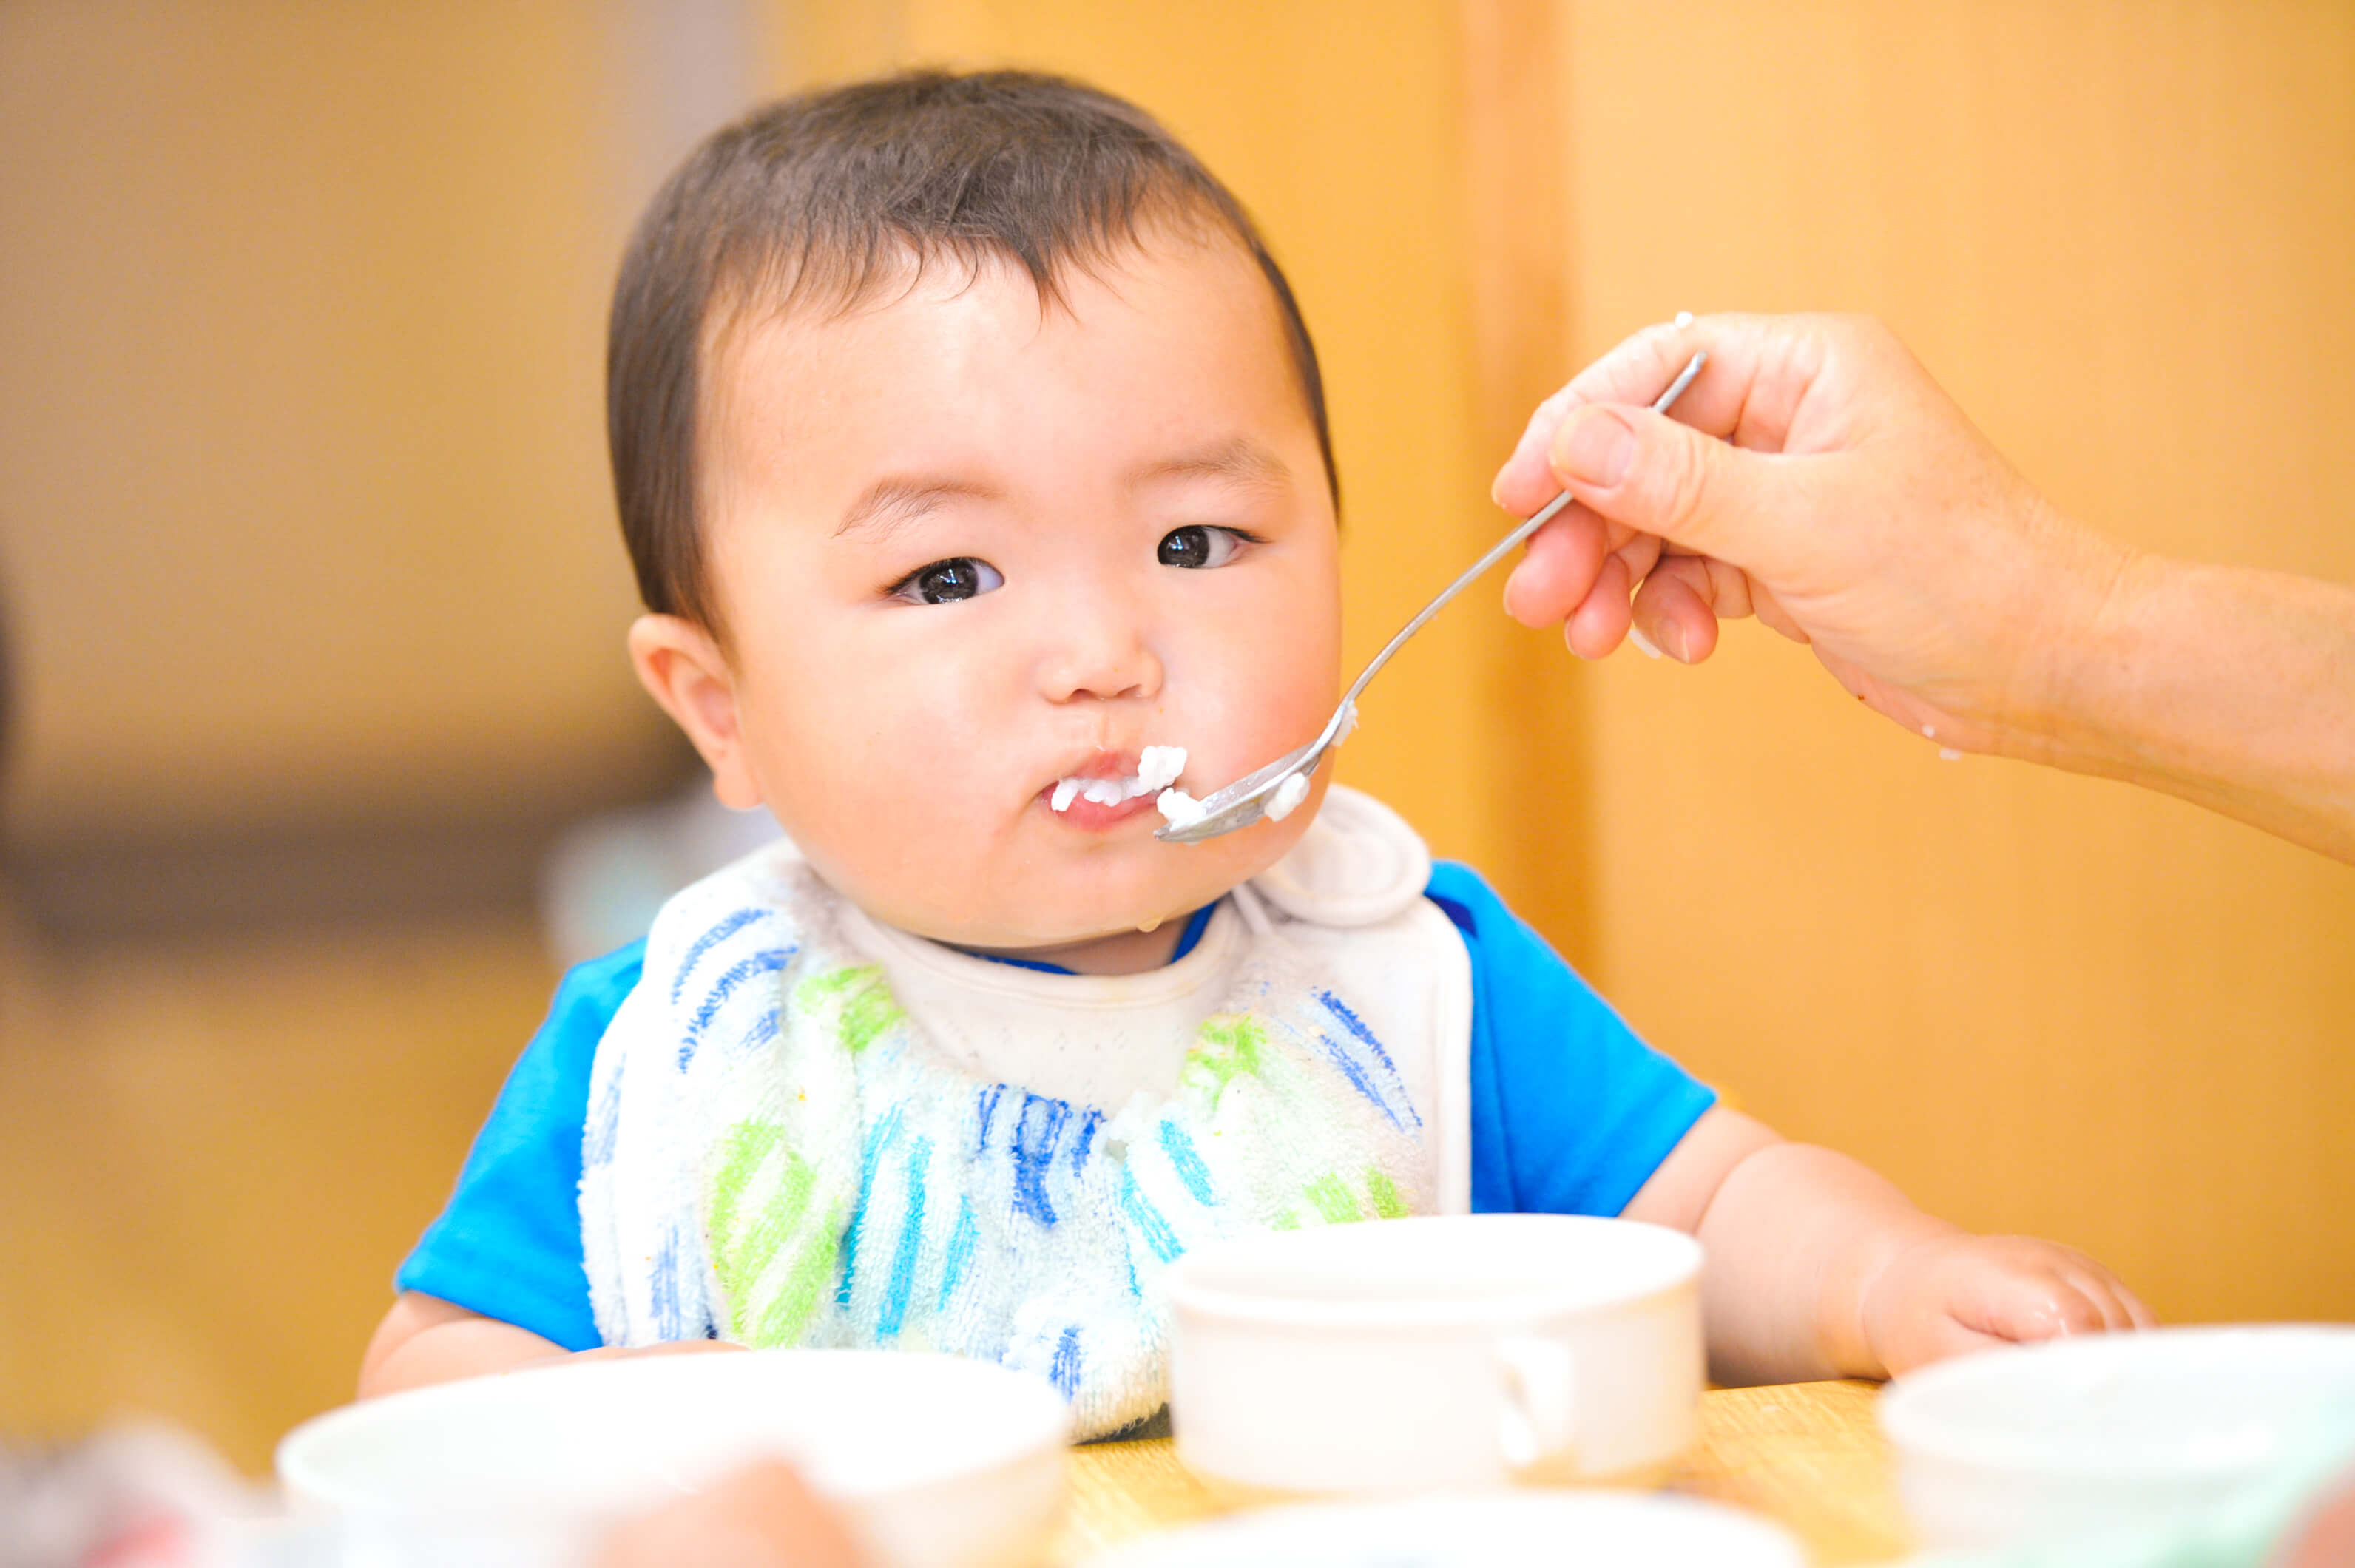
1156, 337
813, 298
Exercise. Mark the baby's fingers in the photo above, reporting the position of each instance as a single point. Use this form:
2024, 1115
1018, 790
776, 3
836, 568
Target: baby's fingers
2036, 1304
2122, 1310
1940, 1339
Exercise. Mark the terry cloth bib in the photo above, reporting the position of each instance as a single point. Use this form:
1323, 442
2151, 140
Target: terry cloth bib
806, 1128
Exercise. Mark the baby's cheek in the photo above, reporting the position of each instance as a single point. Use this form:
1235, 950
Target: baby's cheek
884, 807
1255, 680
1253, 722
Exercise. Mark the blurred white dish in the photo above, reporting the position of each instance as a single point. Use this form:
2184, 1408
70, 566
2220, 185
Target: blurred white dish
936, 1460
1497, 1530
1436, 1354
2039, 1441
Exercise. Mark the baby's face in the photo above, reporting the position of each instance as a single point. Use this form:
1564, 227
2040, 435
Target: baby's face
967, 547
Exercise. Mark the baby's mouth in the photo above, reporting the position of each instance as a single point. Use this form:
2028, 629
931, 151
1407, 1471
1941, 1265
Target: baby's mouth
1157, 768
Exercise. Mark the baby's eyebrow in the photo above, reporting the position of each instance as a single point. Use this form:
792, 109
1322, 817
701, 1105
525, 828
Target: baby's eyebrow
892, 503
1239, 461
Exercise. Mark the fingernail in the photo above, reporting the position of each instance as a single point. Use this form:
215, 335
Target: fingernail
1635, 635
1496, 489
1679, 649
1594, 447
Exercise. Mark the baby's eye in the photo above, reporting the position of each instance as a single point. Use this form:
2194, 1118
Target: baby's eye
945, 581
1201, 545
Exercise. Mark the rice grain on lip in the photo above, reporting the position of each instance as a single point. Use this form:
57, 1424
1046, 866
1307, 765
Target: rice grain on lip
1156, 768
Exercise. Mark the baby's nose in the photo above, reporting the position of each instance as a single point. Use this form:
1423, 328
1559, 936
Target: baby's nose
1097, 646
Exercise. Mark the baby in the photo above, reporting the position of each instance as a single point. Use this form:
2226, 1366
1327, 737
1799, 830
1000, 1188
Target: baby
972, 453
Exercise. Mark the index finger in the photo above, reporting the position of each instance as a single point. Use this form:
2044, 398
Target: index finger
1760, 368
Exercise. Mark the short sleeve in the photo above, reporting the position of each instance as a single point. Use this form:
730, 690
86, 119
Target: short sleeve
1570, 1113
508, 1245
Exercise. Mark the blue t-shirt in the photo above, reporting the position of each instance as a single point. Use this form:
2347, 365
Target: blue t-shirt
1570, 1113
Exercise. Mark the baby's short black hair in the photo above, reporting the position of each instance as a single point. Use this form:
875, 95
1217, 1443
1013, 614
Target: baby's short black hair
821, 199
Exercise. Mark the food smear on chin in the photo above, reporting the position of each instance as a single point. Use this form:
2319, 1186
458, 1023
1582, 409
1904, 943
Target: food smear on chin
1287, 797
1157, 767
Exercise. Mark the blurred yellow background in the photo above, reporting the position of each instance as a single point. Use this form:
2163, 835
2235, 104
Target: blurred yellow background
316, 604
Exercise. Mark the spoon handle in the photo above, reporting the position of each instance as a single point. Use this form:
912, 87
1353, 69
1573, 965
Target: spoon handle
1502, 548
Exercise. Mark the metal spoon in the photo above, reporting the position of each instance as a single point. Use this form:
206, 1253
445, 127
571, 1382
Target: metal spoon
1244, 802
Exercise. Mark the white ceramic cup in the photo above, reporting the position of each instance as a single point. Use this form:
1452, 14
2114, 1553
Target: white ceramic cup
1404, 1354
935, 1462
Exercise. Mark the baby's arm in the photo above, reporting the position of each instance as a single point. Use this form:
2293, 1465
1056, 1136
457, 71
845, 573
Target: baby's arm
1819, 1269
425, 1339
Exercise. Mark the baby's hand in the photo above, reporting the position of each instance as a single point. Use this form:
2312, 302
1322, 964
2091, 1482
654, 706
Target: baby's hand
1954, 1294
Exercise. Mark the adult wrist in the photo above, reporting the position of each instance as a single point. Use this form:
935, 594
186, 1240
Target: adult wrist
2225, 686
2081, 651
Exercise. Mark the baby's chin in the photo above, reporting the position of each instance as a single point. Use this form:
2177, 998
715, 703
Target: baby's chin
1089, 905
1026, 936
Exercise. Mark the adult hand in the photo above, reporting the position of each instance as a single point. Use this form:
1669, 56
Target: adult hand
1814, 475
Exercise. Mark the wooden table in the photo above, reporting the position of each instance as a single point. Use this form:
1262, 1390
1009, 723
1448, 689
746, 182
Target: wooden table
1809, 1456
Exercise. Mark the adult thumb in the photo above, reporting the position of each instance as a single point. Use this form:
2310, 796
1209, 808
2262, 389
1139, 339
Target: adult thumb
1646, 472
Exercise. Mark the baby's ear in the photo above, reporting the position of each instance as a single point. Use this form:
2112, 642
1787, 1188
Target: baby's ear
682, 667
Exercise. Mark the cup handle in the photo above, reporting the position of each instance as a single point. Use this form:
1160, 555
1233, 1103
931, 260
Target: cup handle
1537, 1384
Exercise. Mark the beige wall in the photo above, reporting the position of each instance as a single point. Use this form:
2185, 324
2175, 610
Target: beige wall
214, 1152
303, 529
2120, 233
302, 507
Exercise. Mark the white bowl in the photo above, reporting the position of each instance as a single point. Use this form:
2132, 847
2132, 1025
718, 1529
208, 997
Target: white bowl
1498, 1530
1436, 1354
2033, 1442
936, 1460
